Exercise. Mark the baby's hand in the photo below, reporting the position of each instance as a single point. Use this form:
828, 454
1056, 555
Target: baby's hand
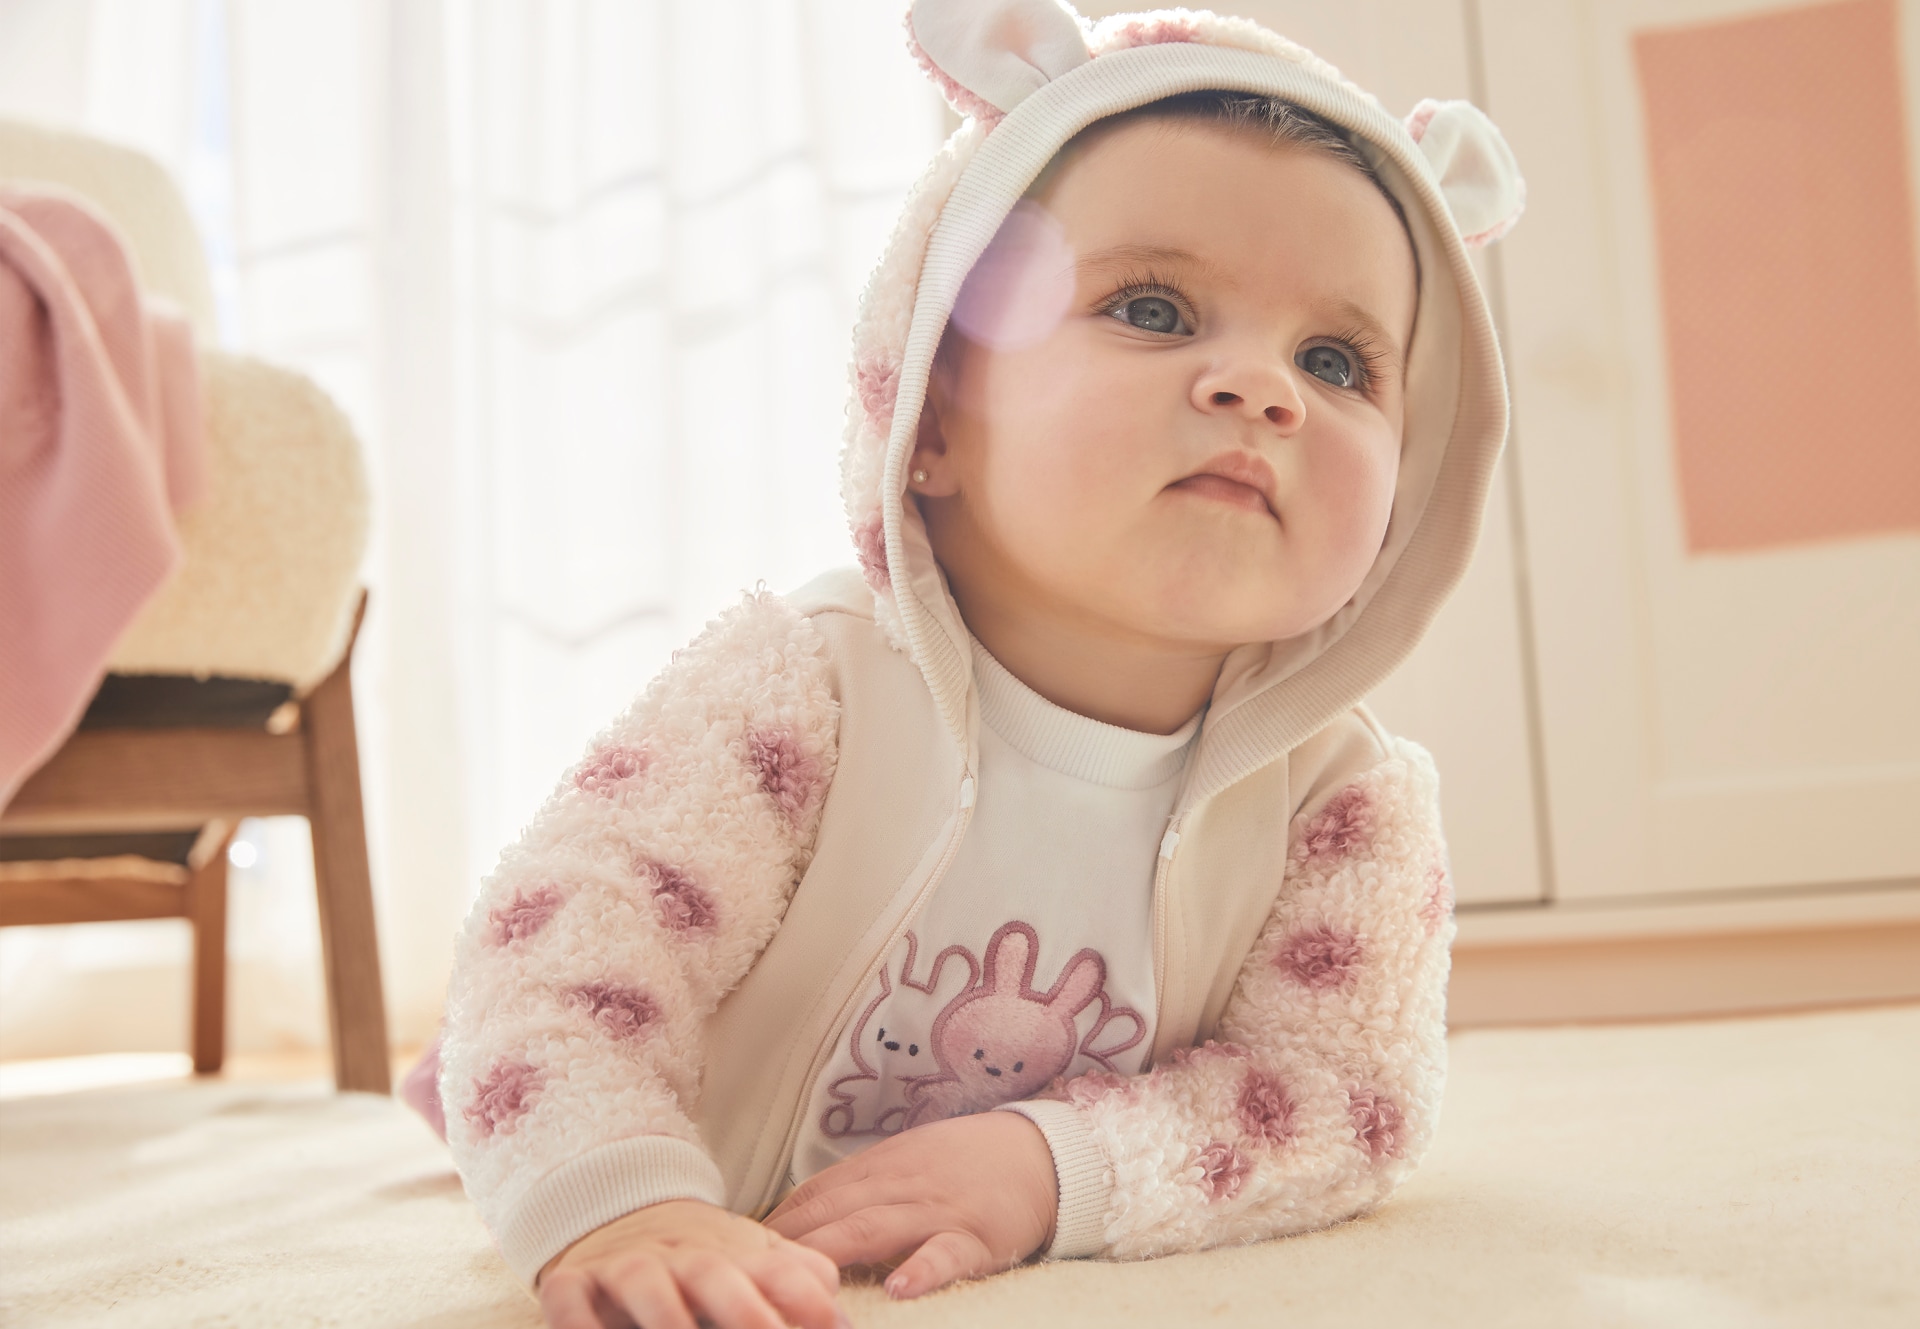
661, 1266
967, 1196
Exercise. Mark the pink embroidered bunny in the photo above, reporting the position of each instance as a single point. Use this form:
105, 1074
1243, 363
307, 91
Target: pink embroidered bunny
1001, 1040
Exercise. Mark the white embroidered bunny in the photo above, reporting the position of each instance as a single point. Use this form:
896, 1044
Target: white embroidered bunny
1001, 1040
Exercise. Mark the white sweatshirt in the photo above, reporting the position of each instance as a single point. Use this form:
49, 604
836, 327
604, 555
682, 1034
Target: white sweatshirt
1034, 956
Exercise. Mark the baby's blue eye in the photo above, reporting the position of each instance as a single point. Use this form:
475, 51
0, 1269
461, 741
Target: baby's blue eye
1328, 363
1150, 313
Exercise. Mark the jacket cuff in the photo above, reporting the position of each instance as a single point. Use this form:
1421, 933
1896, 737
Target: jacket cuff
599, 1186
1081, 1168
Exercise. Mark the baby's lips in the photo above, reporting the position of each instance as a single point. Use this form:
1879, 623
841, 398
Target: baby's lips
1222, 489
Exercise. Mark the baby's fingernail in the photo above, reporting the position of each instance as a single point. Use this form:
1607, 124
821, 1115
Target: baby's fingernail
897, 1287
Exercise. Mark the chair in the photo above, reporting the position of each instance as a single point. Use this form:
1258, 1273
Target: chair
231, 695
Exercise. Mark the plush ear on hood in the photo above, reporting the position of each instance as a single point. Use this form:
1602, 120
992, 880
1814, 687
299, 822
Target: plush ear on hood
1476, 170
989, 55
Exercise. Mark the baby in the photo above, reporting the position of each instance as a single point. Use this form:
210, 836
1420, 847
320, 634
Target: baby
1043, 888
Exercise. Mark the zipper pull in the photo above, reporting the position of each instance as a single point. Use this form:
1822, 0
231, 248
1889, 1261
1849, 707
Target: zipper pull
966, 792
1169, 842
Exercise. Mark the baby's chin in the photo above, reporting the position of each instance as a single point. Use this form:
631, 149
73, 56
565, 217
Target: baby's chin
1221, 614
1221, 596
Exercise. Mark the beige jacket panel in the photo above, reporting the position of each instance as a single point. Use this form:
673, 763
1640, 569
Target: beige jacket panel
893, 809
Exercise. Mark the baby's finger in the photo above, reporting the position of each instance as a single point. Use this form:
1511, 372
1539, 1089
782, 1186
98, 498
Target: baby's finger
723, 1293
873, 1233
843, 1173
816, 1263
941, 1259
793, 1288
646, 1291
843, 1201
566, 1299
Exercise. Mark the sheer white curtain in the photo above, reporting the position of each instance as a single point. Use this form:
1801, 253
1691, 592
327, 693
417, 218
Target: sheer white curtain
583, 275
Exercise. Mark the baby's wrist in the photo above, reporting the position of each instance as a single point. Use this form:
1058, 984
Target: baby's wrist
1038, 1166
663, 1213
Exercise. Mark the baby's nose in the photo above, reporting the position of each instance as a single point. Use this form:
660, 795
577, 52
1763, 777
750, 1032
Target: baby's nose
1252, 386
1278, 414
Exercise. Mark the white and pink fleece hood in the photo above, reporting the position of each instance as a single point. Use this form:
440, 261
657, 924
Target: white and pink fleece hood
1029, 75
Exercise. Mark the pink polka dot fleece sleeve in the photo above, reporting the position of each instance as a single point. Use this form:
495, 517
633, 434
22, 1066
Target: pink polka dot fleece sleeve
634, 901
1320, 1094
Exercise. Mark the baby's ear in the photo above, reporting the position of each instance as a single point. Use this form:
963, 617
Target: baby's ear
988, 56
1474, 166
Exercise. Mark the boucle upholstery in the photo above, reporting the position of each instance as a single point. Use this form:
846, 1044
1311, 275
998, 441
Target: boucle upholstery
136, 192
272, 554
271, 574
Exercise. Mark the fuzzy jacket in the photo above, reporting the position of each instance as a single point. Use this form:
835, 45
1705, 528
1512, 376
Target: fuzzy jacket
647, 888
655, 976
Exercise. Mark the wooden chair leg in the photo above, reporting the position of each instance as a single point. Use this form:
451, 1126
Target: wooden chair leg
356, 1007
207, 911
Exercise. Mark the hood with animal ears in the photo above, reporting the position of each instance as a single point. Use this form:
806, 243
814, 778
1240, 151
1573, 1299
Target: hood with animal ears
1029, 75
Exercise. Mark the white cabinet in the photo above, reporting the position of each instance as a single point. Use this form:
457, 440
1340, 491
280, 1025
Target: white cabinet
1712, 324
1729, 702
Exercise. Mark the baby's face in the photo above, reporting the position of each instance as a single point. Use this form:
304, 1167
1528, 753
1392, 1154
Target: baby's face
1171, 406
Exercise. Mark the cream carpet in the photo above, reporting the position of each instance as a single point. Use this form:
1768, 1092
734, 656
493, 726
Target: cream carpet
1748, 1174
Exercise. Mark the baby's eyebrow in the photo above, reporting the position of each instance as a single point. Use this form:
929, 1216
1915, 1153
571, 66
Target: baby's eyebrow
1119, 258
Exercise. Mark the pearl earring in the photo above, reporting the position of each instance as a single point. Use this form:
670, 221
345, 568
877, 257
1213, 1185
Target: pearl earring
919, 476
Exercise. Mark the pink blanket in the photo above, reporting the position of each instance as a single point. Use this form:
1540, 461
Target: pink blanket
99, 446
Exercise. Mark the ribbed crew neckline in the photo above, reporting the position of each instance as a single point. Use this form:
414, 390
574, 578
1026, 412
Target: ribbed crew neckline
1070, 743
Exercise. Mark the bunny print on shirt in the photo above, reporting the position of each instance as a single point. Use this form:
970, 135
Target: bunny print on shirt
973, 1032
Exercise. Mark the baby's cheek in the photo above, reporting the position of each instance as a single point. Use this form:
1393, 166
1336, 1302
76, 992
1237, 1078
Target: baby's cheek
1069, 441
1344, 506
1055, 501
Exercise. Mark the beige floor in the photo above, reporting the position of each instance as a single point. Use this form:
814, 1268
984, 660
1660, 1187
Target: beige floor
1719, 1175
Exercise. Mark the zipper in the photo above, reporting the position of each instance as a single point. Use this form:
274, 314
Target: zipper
1168, 844
826, 1050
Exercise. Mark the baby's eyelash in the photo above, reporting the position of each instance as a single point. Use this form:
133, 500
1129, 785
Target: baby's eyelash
1133, 285
1372, 359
